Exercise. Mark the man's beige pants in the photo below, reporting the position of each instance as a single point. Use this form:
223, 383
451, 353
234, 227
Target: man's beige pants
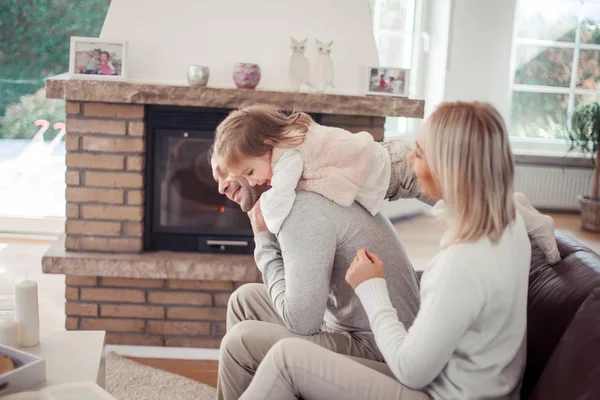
297, 369
254, 327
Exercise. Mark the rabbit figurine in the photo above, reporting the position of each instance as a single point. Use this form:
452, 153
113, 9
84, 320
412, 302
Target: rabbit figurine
323, 69
299, 67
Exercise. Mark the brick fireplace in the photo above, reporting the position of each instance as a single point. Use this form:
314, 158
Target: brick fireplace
105, 177
158, 298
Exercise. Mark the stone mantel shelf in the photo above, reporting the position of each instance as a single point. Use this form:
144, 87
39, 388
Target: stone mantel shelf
151, 265
61, 87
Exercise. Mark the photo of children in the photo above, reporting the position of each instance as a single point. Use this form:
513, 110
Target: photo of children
388, 81
98, 58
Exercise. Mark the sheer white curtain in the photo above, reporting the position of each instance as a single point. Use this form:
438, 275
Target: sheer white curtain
397, 37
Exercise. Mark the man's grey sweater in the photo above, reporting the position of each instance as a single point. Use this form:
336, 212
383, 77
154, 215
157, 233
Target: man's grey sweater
304, 267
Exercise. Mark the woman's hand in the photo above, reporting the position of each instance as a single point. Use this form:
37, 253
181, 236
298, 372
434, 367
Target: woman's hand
365, 266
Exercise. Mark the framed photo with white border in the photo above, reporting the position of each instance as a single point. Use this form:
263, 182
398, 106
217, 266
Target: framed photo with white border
98, 59
387, 81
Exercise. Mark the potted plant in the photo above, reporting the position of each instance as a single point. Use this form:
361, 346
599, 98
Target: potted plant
584, 134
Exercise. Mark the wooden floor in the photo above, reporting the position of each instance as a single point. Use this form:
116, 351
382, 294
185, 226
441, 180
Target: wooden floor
204, 371
569, 224
420, 237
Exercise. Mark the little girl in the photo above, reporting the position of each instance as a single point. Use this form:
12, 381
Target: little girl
265, 145
105, 67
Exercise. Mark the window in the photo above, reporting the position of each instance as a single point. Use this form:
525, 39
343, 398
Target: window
394, 29
35, 45
556, 65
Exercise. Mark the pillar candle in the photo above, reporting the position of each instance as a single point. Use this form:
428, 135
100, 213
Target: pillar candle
27, 313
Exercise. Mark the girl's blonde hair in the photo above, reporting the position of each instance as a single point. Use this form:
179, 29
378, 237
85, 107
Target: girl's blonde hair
468, 152
253, 131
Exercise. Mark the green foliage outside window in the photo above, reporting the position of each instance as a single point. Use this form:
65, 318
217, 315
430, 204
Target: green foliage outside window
544, 115
35, 37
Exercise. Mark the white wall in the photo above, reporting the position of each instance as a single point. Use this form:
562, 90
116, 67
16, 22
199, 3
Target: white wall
165, 36
479, 53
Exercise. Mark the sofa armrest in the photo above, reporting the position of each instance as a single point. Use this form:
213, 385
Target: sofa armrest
572, 371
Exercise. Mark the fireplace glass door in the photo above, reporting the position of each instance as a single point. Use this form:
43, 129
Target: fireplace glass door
189, 197
188, 213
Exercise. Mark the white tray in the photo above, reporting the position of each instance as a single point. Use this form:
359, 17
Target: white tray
30, 371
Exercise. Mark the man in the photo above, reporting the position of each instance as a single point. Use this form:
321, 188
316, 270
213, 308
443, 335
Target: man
304, 292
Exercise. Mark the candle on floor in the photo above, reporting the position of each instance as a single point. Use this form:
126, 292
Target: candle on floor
27, 313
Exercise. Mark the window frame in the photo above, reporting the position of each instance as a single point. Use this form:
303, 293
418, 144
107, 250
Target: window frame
31, 227
549, 146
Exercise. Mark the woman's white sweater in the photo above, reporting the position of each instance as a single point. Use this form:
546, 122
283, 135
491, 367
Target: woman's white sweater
468, 339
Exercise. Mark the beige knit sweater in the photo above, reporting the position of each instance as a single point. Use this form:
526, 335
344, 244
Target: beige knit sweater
337, 162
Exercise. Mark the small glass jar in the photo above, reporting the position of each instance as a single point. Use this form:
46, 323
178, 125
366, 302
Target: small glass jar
9, 332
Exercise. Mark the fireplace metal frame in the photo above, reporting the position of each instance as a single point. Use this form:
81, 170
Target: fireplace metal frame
233, 241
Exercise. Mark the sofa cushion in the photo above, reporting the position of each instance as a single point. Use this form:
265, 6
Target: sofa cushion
573, 370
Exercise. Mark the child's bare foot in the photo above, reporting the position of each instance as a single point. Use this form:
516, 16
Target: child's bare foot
539, 226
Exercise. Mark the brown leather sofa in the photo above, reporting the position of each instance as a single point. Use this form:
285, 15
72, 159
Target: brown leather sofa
563, 325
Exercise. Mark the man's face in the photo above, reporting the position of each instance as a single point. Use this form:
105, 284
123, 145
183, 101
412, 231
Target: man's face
237, 188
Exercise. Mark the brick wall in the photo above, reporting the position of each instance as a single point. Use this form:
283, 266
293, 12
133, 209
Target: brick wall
105, 180
150, 312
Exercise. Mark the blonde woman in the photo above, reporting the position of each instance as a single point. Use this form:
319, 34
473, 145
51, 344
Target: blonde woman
468, 338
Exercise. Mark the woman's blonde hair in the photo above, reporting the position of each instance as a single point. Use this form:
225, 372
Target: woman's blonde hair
468, 152
253, 131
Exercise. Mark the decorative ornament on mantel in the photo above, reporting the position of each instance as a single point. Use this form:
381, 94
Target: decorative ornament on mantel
323, 70
299, 66
246, 76
198, 75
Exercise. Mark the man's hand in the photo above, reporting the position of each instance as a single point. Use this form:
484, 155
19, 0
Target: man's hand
365, 266
257, 220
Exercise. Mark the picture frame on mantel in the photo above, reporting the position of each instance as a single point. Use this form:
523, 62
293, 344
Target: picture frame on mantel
98, 59
387, 81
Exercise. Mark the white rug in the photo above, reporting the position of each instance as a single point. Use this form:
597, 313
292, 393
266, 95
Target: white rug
128, 380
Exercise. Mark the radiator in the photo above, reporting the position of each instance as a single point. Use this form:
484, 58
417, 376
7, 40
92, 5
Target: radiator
553, 188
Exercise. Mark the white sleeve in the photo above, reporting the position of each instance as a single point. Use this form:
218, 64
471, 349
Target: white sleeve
418, 356
277, 202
